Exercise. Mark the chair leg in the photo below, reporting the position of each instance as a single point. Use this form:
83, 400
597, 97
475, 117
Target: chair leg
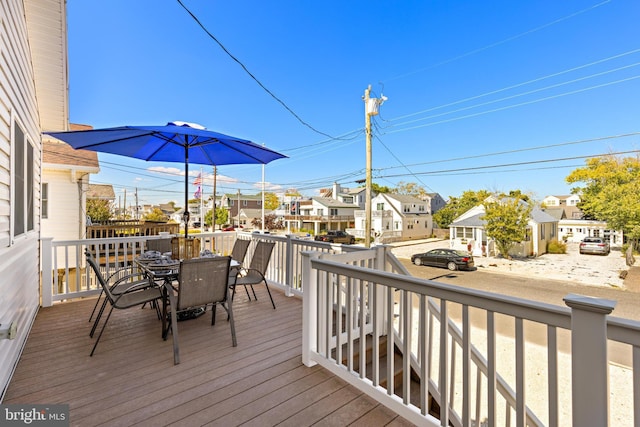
233, 326
104, 325
96, 305
213, 314
270, 297
98, 317
252, 290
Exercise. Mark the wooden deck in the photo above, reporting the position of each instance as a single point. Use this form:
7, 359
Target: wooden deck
131, 380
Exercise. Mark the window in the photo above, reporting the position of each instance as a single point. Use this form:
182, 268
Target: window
421, 208
23, 214
406, 208
553, 230
45, 200
464, 232
542, 232
244, 203
320, 211
333, 212
596, 233
379, 206
348, 200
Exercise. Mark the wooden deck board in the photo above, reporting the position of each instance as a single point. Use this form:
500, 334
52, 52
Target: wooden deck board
131, 379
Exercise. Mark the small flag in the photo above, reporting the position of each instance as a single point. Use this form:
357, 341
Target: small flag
198, 193
198, 180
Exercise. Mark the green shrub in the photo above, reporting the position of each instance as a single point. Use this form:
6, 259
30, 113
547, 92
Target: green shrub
556, 247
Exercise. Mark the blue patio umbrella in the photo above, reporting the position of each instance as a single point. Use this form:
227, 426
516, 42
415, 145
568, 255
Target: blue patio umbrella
177, 142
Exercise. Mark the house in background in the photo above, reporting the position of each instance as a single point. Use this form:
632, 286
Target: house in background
65, 180
572, 227
435, 201
350, 196
33, 90
467, 233
234, 202
396, 217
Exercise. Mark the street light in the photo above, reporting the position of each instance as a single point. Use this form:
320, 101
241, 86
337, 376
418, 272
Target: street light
371, 106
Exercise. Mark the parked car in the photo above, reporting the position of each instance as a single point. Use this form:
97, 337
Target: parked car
448, 258
594, 245
336, 236
232, 228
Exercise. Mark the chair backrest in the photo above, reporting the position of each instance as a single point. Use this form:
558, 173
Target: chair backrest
101, 280
203, 281
261, 256
160, 245
239, 250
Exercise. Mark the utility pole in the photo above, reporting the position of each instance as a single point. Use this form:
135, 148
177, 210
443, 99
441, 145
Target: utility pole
367, 220
371, 106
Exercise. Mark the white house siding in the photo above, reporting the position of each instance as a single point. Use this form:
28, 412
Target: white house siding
19, 255
65, 220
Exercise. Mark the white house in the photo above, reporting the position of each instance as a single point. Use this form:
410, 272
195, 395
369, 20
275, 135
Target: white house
33, 98
467, 232
572, 227
570, 200
396, 217
65, 184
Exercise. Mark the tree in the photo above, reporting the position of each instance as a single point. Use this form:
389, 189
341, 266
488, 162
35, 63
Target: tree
506, 221
410, 189
222, 217
377, 189
98, 210
459, 205
155, 215
271, 222
611, 193
271, 201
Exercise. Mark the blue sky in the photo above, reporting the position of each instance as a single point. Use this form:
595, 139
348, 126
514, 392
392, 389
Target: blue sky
498, 95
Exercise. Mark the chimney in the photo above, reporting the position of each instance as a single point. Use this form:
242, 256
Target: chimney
336, 189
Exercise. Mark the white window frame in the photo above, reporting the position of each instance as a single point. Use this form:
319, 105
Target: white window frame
28, 190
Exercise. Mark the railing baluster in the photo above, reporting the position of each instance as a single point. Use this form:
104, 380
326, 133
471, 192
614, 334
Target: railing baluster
423, 352
552, 357
390, 339
521, 412
406, 347
491, 368
636, 384
362, 351
466, 367
442, 376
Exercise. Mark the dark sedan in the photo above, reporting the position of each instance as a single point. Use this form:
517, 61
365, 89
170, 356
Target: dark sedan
447, 258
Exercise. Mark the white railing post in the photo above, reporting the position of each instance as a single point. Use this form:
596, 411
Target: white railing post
289, 266
309, 309
381, 294
589, 363
46, 284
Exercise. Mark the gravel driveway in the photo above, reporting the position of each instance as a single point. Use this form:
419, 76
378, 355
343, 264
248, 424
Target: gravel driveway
595, 270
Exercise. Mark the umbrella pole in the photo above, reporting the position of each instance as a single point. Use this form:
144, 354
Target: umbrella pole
186, 190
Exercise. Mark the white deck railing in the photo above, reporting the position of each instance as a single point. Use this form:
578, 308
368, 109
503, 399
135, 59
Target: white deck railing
478, 378
504, 362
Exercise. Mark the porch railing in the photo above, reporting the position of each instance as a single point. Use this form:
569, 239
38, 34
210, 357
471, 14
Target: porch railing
481, 354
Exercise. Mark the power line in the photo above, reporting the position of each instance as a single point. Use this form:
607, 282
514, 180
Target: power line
532, 162
538, 79
503, 41
523, 93
519, 105
281, 102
